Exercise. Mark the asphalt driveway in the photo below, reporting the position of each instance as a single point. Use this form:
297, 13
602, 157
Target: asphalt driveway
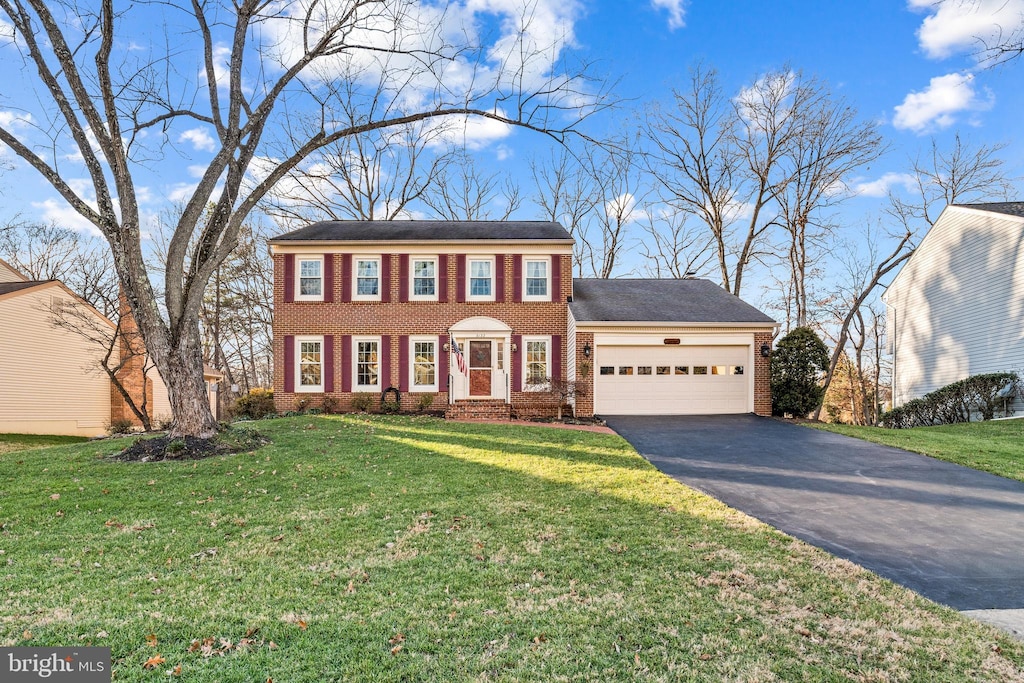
953, 534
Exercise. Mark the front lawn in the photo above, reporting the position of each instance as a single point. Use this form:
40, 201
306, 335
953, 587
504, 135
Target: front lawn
23, 442
396, 548
994, 446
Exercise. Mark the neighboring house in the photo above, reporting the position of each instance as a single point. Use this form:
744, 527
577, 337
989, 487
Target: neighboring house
51, 377
363, 306
956, 308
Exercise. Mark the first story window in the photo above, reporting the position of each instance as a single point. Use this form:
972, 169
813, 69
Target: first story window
311, 278
311, 365
368, 278
367, 363
538, 361
424, 364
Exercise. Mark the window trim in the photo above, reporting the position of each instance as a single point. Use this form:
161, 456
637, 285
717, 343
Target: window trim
546, 260
301, 388
527, 386
299, 296
356, 386
423, 388
413, 296
469, 279
356, 258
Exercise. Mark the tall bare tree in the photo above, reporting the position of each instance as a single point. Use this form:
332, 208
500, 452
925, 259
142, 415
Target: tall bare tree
278, 82
460, 191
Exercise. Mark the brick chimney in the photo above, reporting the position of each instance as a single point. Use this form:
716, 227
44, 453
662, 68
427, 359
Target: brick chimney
133, 359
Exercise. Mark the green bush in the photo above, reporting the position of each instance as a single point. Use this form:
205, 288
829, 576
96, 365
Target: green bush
362, 402
797, 363
255, 405
426, 400
120, 426
961, 401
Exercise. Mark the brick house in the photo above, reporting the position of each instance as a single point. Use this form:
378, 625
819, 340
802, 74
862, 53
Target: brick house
364, 306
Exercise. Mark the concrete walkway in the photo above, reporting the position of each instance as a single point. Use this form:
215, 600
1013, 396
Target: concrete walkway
953, 534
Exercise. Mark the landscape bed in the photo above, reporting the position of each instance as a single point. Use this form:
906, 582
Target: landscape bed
410, 548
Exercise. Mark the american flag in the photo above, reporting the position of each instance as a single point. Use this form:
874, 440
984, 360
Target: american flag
460, 358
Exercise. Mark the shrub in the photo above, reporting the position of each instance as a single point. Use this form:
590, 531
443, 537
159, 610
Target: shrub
390, 401
426, 400
362, 402
978, 395
120, 425
255, 405
329, 405
797, 363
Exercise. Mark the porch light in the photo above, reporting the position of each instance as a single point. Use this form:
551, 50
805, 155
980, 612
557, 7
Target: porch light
586, 350
765, 350
515, 347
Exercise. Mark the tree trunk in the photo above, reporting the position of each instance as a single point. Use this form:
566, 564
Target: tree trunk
182, 370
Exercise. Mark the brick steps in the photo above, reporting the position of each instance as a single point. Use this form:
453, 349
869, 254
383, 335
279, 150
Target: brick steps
479, 410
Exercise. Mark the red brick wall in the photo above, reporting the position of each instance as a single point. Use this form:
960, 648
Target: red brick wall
584, 375
762, 375
133, 360
412, 318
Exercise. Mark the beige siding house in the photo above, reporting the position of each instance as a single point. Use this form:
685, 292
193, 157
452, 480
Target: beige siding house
51, 379
957, 307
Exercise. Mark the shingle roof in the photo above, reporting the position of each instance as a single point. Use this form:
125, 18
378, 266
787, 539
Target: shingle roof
1009, 208
410, 231
8, 287
670, 301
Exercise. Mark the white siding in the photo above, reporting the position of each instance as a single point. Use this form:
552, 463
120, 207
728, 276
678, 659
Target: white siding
957, 307
50, 379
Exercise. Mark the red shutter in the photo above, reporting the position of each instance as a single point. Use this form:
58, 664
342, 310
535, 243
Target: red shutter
403, 363
289, 363
517, 364
556, 356
404, 282
346, 281
499, 278
556, 278
346, 362
442, 278
385, 278
328, 363
329, 278
460, 278
289, 278
517, 277
385, 361
442, 362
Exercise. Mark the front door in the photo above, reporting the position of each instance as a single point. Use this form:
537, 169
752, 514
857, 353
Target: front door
481, 355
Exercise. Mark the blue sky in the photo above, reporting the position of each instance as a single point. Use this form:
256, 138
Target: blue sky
907, 64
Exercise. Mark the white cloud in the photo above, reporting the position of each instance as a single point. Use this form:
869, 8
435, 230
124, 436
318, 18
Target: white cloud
676, 12
623, 208
880, 187
504, 152
181, 191
61, 214
15, 119
937, 105
954, 26
473, 132
199, 137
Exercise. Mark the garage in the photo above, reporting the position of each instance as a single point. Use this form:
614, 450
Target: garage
668, 347
672, 380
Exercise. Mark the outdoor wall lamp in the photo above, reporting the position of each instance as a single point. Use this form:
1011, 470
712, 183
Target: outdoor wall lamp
586, 350
447, 347
765, 350
515, 347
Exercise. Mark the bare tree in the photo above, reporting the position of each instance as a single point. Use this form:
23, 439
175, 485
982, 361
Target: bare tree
278, 82
673, 248
564, 194
460, 191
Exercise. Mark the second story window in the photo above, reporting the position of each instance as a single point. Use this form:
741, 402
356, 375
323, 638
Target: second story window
311, 279
481, 279
537, 287
424, 278
367, 272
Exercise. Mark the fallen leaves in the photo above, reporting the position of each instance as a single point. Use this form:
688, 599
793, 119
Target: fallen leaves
154, 661
151, 640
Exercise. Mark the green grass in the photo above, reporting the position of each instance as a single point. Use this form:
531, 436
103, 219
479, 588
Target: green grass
381, 549
23, 442
996, 447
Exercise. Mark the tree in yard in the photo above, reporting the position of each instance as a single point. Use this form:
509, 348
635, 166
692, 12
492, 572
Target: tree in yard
797, 363
267, 84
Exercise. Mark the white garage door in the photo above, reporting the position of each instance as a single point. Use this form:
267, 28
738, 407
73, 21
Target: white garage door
672, 380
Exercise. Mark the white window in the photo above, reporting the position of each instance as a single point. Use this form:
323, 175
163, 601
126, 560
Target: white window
366, 363
367, 279
537, 362
309, 363
309, 279
537, 280
423, 285
481, 280
424, 364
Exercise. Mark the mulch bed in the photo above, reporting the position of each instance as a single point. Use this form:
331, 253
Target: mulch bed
161, 448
